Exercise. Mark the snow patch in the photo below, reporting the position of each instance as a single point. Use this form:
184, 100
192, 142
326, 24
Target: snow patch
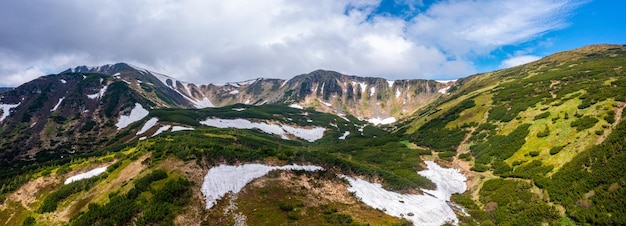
343, 116
239, 109
162, 129
247, 101
430, 209
444, 90
363, 86
234, 92
204, 103
398, 93
63, 81
390, 83
310, 135
6, 110
326, 103
57, 105
181, 128
297, 106
345, 134
135, 115
85, 175
99, 94
445, 81
372, 91
379, 121
149, 124
225, 178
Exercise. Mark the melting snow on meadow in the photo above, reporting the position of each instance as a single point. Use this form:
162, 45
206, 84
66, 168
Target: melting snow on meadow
162, 129
310, 135
6, 110
98, 94
149, 124
85, 175
429, 209
58, 104
181, 128
380, 121
225, 178
135, 115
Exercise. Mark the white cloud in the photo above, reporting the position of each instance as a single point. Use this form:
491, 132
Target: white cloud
518, 60
216, 41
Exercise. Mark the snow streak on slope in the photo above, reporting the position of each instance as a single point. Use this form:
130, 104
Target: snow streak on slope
85, 175
6, 110
162, 129
99, 94
149, 124
180, 128
58, 104
135, 115
310, 135
420, 209
224, 178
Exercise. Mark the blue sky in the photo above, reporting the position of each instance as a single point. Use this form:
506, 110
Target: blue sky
215, 41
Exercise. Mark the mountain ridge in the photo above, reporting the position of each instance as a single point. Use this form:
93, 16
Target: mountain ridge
319, 89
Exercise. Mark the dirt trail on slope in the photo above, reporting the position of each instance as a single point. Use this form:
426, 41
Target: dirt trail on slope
28, 194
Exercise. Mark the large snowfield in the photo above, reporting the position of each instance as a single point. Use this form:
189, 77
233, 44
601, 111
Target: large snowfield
135, 115
427, 209
225, 178
310, 135
85, 175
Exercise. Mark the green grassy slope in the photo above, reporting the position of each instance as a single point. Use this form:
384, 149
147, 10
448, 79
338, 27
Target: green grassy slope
549, 123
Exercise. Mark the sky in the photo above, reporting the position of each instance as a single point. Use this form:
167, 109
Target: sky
216, 41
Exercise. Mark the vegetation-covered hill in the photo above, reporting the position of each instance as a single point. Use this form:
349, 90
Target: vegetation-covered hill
553, 128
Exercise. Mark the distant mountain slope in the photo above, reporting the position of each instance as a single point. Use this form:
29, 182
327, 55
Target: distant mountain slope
556, 122
326, 91
5, 89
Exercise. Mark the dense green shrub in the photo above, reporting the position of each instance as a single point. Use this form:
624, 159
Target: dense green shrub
542, 115
499, 146
51, 201
515, 204
544, 133
556, 150
584, 123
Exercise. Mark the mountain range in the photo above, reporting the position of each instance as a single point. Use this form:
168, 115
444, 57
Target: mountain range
540, 143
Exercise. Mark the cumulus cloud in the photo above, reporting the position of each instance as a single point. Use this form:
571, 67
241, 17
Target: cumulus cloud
206, 41
518, 60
